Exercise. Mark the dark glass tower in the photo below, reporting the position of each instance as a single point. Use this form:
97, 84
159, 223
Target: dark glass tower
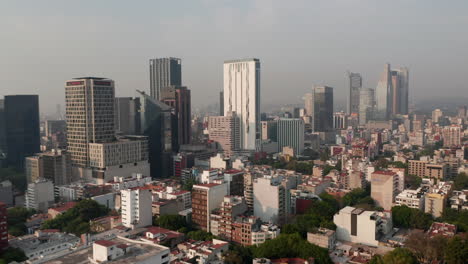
322, 109
164, 72
21, 114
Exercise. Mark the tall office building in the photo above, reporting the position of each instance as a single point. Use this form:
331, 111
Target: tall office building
340, 120
322, 109
355, 85
179, 98
3, 144
400, 82
366, 105
436, 115
308, 103
159, 123
242, 96
383, 95
90, 116
164, 72
225, 131
221, 103
126, 115
291, 134
21, 128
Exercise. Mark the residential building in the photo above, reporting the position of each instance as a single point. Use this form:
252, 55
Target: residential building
121, 251
164, 72
264, 233
54, 165
355, 85
452, 136
6, 193
322, 237
205, 251
417, 167
90, 117
322, 109
225, 131
411, 198
230, 208
436, 115
269, 202
40, 195
359, 226
242, 97
205, 198
136, 204
235, 182
21, 118
435, 204
384, 188
291, 134
179, 98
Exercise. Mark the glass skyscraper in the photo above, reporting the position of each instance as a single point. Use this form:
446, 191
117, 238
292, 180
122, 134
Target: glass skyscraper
164, 72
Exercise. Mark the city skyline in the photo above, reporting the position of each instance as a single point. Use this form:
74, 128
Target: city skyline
402, 42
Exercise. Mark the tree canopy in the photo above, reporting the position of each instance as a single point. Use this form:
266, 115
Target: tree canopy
406, 217
16, 218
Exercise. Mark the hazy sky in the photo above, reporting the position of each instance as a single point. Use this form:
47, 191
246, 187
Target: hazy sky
300, 43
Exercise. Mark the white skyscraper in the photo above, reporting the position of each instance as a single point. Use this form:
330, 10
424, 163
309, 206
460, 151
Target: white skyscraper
242, 96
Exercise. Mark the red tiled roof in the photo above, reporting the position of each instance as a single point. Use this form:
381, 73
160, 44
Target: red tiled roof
105, 243
64, 207
232, 171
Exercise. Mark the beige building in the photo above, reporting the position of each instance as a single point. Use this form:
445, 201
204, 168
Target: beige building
435, 204
323, 237
417, 167
384, 188
54, 165
452, 136
225, 131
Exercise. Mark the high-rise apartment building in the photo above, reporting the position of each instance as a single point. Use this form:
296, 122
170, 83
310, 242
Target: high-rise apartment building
179, 98
90, 116
366, 105
383, 94
322, 109
225, 131
436, 115
452, 136
53, 165
205, 198
40, 195
291, 134
384, 188
355, 85
159, 123
242, 96
269, 201
164, 72
22, 138
136, 208
126, 115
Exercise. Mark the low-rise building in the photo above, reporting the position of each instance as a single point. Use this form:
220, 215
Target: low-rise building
411, 198
206, 251
442, 229
40, 195
459, 200
322, 237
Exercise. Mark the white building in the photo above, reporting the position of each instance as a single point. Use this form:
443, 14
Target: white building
291, 134
136, 180
40, 195
269, 199
136, 208
242, 96
411, 198
359, 226
219, 162
266, 232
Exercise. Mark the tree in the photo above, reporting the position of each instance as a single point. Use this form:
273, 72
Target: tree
412, 181
456, 251
16, 218
425, 248
188, 185
200, 235
17, 178
458, 218
12, 254
238, 254
406, 217
399, 256
460, 182
172, 222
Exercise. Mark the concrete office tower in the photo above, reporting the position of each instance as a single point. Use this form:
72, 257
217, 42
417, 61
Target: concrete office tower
339, 121
308, 104
242, 96
269, 199
355, 85
53, 165
179, 98
436, 115
366, 105
452, 136
3, 145
126, 115
270, 130
90, 116
322, 109
225, 131
291, 134
164, 72
206, 198
383, 95
136, 208
40, 195
159, 124
400, 92
384, 188
22, 136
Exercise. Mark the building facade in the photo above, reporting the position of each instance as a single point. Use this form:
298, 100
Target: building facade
164, 72
225, 130
242, 96
322, 109
355, 85
53, 165
136, 208
291, 134
179, 98
384, 188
